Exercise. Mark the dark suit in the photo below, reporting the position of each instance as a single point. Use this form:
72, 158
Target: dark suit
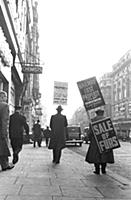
4, 150
37, 134
47, 133
17, 125
58, 123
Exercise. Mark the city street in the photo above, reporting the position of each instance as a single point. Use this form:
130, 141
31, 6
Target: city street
122, 165
35, 177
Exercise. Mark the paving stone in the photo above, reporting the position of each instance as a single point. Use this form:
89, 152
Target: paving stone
9, 189
2, 197
71, 198
28, 197
116, 193
35, 177
40, 190
33, 181
80, 192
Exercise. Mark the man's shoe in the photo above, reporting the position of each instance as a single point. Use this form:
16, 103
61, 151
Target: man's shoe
95, 172
57, 162
15, 158
103, 172
8, 167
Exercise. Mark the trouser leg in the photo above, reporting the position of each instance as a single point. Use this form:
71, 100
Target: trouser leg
17, 147
97, 168
54, 155
4, 162
46, 140
39, 143
103, 168
34, 143
58, 155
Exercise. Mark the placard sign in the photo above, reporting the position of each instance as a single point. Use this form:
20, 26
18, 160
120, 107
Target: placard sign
90, 93
60, 92
105, 135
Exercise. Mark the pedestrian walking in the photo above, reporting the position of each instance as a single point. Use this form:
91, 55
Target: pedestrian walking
93, 155
58, 124
37, 134
4, 121
17, 125
47, 133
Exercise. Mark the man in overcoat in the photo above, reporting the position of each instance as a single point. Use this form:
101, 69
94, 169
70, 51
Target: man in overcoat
4, 121
17, 125
93, 155
37, 134
58, 124
46, 134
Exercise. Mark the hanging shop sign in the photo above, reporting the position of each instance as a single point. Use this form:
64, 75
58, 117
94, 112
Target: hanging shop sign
60, 93
105, 135
90, 93
32, 69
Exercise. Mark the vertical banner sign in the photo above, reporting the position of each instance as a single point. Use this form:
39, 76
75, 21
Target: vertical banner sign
90, 93
105, 135
60, 93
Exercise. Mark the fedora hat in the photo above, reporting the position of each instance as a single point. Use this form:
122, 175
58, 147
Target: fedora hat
99, 111
59, 108
18, 107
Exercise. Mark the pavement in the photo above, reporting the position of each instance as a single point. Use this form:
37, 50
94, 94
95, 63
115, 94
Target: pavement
35, 177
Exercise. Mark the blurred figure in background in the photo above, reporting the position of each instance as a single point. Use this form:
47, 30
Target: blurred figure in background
4, 122
17, 125
37, 134
47, 133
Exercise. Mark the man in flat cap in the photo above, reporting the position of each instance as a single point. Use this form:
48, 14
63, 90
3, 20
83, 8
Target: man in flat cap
58, 124
17, 124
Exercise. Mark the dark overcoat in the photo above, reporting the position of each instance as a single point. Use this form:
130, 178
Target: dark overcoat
93, 155
4, 119
37, 132
17, 125
58, 124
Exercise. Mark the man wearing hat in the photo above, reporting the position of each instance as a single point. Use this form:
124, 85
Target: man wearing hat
93, 155
58, 124
17, 124
4, 120
37, 134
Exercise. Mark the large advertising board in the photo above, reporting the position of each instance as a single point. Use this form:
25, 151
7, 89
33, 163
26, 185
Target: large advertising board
105, 135
90, 93
60, 93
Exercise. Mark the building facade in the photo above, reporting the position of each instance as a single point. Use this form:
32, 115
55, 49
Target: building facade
121, 95
116, 90
105, 84
19, 49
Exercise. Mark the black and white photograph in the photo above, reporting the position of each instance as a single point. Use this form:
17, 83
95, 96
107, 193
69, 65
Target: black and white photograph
65, 100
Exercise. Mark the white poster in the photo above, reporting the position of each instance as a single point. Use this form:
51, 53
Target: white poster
60, 93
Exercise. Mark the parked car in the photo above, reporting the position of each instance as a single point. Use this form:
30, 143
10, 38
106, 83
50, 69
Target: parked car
73, 135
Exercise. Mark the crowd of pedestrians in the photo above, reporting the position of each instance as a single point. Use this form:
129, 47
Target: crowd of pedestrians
13, 127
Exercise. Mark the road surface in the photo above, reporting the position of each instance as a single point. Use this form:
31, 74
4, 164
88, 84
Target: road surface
122, 165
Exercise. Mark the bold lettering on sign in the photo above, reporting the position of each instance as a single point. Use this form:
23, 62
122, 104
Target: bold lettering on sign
95, 127
108, 143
